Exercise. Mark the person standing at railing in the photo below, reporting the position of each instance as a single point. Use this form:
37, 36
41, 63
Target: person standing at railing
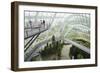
43, 23
30, 23
40, 24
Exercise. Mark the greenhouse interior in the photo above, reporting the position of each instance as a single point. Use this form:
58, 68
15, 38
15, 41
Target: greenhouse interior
56, 35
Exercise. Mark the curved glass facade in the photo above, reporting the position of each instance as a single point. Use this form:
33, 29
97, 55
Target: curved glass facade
70, 29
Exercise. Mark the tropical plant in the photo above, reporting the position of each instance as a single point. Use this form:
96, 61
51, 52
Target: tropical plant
54, 48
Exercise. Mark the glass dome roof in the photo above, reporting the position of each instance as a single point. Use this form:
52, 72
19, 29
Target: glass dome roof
71, 26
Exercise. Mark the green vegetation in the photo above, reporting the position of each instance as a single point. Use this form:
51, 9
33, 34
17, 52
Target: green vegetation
83, 42
75, 27
33, 59
78, 53
54, 48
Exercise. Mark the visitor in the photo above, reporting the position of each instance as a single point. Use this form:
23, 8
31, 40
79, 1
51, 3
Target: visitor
44, 23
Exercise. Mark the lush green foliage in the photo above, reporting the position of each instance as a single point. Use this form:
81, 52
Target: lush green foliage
78, 53
53, 48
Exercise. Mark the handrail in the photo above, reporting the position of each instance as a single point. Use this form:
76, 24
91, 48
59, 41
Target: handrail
87, 50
